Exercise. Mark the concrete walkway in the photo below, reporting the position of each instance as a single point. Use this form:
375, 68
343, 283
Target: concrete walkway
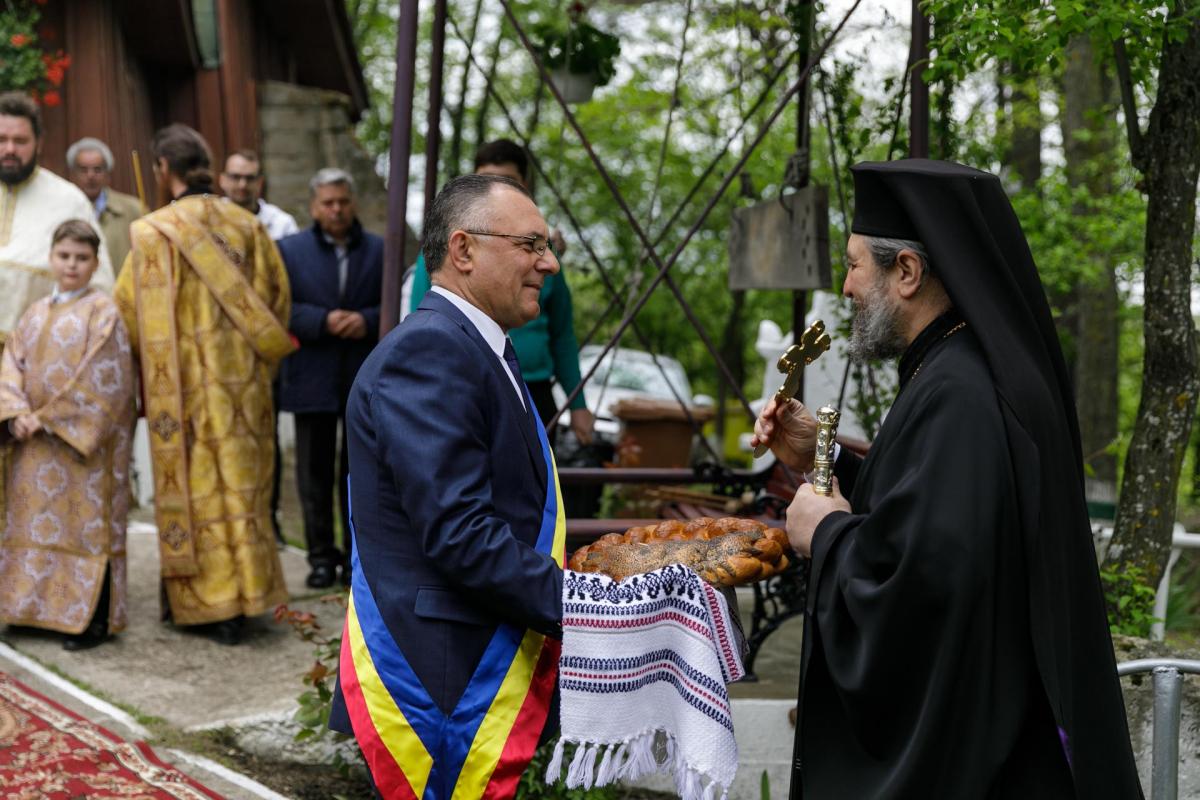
168, 673
181, 676
192, 683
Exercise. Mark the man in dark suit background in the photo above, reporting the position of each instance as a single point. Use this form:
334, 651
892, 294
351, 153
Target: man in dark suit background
336, 269
451, 489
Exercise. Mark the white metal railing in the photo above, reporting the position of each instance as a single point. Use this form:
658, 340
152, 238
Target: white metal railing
1168, 691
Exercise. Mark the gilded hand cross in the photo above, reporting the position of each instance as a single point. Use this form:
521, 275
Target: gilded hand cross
813, 342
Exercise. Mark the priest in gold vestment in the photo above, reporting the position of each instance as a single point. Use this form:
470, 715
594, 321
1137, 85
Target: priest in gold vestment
66, 395
203, 292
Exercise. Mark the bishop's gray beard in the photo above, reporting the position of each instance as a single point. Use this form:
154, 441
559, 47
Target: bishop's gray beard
875, 330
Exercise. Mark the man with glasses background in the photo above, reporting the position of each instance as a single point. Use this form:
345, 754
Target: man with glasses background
547, 349
336, 270
242, 182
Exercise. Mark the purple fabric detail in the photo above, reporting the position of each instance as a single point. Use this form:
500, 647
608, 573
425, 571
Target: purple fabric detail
1066, 744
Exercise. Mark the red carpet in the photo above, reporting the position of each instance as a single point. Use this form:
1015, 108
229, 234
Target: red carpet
50, 753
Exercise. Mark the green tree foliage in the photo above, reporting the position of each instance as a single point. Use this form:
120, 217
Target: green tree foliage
1154, 36
730, 53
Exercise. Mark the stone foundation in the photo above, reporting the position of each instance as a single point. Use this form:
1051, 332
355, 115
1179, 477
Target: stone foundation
305, 129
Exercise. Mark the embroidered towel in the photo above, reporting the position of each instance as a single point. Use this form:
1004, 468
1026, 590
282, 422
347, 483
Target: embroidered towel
641, 657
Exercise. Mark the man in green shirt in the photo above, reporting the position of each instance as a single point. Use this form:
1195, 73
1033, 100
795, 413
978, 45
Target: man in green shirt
546, 347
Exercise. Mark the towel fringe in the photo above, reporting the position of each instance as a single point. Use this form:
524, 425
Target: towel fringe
605, 773
641, 757
629, 761
588, 769
555, 769
575, 771
687, 783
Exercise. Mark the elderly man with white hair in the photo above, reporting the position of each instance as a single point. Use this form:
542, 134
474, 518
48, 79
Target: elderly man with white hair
90, 165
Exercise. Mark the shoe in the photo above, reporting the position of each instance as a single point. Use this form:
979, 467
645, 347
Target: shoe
228, 632
321, 577
93, 635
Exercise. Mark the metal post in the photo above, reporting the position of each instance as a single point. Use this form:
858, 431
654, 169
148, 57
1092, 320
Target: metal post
801, 160
397, 226
664, 266
433, 136
1164, 765
918, 91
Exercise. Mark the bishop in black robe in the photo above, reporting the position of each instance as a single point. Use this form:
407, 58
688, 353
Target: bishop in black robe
955, 638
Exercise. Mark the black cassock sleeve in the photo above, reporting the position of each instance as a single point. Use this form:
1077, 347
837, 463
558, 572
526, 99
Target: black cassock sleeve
915, 594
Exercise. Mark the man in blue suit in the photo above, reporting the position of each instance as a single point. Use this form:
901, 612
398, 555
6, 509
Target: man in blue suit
453, 494
336, 270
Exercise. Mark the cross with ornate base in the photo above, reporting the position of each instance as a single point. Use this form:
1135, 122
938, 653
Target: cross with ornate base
813, 342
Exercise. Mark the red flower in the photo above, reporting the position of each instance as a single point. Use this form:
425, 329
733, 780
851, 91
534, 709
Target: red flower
19, 40
54, 74
51, 99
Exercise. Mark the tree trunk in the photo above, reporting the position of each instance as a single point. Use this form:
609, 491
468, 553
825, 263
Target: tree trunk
1170, 164
944, 143
733, 351
458, 116
481, 118
1025, 153
1089, 139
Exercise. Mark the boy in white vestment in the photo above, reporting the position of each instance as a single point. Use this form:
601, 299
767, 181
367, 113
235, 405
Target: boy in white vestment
66, 397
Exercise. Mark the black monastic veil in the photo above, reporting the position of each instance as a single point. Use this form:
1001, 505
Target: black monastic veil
956, 643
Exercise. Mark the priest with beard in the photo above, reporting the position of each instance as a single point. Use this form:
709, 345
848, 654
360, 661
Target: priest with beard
33, 203
955, 639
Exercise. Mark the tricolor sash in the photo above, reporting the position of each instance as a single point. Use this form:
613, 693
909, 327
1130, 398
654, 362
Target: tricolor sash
481, 749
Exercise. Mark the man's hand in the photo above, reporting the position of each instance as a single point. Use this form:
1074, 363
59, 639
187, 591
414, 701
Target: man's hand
806, 512
790, 430
346, 324
25, 426
581, 423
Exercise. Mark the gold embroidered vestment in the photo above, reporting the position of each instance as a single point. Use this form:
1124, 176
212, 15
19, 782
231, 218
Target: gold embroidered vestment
69, 364
204, 292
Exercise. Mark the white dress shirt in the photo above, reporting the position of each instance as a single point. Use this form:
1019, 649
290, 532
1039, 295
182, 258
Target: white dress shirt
489, 329
278, 222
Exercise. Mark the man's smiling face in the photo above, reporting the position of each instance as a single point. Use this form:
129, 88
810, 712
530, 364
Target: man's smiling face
509, 274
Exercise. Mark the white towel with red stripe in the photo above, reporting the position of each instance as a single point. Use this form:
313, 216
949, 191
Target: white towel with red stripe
647, 659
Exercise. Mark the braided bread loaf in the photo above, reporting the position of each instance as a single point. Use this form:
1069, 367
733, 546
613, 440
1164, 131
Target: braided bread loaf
725, 552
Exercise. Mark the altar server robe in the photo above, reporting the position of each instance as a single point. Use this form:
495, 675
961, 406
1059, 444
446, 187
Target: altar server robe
69, 364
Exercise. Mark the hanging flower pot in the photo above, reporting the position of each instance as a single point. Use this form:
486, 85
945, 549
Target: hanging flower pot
578, 56
573, 87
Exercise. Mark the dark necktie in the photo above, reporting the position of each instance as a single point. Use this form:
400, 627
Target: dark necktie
510, 358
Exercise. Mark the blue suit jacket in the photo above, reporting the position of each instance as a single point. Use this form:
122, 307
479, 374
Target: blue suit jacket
448, 484
318, 376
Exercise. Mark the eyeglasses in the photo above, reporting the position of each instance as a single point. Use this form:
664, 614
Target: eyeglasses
532, 244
